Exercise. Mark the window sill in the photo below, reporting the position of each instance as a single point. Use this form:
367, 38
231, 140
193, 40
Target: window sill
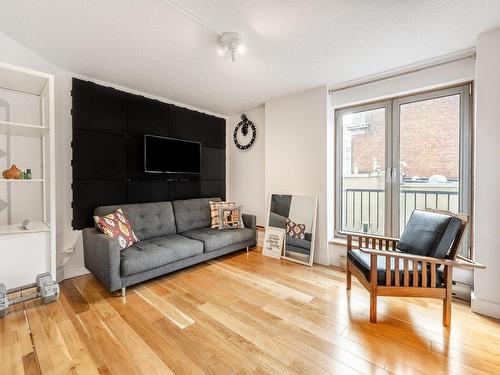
338, 241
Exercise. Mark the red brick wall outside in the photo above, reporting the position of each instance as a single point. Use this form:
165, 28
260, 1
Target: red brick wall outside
429, 139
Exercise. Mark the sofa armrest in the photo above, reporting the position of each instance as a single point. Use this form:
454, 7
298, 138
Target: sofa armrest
102, 257
250, 221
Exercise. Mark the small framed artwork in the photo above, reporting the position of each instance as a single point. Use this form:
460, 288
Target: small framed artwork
273, 242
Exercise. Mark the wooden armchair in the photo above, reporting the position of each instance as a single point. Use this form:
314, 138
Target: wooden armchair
385, 266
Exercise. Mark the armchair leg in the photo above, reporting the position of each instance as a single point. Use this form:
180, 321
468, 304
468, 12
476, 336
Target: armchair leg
373, 288
348, 280
124, 291
447, 299
447, 312
373, 307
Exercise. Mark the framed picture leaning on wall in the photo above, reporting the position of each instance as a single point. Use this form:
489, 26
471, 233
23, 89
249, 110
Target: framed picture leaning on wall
295, 215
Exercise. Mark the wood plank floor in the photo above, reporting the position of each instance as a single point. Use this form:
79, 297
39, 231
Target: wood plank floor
243, 313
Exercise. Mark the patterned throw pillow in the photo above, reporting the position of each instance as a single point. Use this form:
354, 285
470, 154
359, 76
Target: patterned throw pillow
230, 218
116, 225
295, 230
214, 211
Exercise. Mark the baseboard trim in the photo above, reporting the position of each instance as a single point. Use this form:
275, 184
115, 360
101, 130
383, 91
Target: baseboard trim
483, 307
322, 260
70, 272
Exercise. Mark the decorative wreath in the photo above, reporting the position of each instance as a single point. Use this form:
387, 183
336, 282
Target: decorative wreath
244, 126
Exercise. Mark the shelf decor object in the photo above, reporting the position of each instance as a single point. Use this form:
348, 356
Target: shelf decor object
13, 173
27, 248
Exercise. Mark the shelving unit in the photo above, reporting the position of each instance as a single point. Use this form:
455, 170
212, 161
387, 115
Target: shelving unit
20, 181
18, 229
23, 130
27, 140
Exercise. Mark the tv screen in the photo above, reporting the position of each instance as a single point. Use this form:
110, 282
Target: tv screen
170, 155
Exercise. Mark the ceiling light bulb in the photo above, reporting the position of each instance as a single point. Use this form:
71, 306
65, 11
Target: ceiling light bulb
242, 49
231, 42
221, 51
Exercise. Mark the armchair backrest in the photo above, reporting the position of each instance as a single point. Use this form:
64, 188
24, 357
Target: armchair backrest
433, 233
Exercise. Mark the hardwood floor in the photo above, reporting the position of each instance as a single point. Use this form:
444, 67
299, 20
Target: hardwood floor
243, 313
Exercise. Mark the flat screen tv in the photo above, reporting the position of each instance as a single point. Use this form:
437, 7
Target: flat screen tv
170, 155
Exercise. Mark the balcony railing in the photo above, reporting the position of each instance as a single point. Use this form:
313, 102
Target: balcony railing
363, 209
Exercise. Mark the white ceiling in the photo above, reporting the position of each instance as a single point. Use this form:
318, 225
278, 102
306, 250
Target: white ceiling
293, 45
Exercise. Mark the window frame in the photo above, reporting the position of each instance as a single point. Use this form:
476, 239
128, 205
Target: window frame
392, 154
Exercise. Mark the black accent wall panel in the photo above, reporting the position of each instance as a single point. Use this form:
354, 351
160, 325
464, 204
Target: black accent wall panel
99, 155
213, 188
99, 108
211, 161
89, 194
188, 124
145, 114
143, 191
214, 131
108, 150
184, 189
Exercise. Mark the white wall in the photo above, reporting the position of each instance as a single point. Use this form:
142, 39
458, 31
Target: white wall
486, 297
67, 238
295, 153
245, 169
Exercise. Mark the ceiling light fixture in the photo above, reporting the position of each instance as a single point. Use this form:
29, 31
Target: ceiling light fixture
229, 42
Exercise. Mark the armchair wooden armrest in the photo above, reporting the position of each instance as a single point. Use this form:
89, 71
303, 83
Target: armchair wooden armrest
370, 240
467, 263
459, 262
391, 253
367, 235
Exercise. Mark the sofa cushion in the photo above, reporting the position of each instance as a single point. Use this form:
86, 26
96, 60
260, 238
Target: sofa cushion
148, 220
362, 263
214, 211
429, 234
116, 225
192, 213
231, 218
215, 239
157, 252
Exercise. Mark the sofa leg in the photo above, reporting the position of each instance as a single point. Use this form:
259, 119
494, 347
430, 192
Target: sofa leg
348, 280
248, 248
124, 291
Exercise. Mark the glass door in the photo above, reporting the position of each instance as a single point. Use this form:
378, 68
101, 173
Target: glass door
406, 153
430, 144
362, 174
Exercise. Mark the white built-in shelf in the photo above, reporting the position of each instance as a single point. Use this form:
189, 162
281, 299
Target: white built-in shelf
38, 227
22, 181
22, 79
20, 129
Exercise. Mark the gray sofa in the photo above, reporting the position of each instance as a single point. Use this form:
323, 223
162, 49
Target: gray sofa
172, 235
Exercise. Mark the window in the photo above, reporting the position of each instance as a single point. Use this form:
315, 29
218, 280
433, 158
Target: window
401, 154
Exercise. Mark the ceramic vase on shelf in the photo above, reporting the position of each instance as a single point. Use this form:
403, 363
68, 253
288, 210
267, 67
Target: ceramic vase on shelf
12, 173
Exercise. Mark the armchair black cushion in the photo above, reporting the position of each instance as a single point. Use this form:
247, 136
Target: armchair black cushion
429, 234
362, 263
